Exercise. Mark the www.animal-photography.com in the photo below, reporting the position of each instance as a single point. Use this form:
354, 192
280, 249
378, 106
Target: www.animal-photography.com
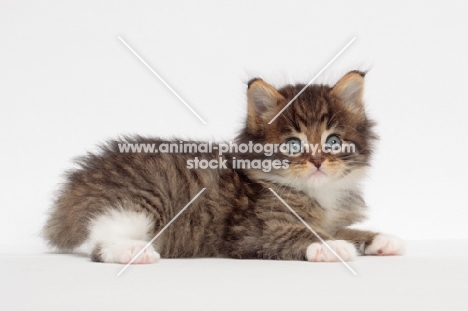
233, 155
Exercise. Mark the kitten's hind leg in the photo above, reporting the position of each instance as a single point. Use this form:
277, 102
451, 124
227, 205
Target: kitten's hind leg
118, 236
123, 251
371, 243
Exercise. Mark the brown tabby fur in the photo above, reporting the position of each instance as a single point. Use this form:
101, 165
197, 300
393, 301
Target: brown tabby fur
237, 216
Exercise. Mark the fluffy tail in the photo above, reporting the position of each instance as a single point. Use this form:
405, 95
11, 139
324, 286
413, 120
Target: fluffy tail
67, 226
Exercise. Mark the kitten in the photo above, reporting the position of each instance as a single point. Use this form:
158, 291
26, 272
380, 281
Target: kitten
118, 201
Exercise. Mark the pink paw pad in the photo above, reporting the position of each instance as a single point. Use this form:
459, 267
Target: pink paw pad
385, 245
318, 252
149, 255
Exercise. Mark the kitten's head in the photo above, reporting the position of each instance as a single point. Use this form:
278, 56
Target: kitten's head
330, 119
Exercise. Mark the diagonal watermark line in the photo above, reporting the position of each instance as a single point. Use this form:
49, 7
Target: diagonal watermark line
313, 79
313, 231
162, 80
161, 231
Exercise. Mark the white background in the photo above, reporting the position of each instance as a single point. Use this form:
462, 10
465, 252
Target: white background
67, 83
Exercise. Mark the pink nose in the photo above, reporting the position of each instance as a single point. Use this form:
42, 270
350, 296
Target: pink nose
317, 162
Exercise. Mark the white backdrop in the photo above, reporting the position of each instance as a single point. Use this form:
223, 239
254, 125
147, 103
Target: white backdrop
67, 83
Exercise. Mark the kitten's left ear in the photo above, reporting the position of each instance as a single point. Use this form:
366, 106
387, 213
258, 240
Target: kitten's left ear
350, 89
263, 100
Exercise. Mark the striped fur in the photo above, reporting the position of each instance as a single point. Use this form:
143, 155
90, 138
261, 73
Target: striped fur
237, 216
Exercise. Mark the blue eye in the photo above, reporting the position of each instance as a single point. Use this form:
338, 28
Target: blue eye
333, 140
293, 145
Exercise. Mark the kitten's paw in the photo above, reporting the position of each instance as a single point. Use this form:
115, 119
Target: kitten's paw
149, 255
319, 252
124, 251
385, 245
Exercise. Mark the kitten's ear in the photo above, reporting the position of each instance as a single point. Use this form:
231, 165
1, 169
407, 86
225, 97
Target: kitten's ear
350, 89
263, 100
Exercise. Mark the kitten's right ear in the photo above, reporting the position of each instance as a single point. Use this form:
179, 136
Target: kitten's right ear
263, 100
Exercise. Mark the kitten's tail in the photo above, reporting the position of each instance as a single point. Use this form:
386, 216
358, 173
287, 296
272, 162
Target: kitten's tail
66, 227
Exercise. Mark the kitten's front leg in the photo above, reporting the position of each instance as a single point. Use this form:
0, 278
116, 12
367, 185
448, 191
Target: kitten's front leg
296, 242
330, 250
372, 243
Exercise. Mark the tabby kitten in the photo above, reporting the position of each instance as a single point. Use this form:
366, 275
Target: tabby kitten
118, 201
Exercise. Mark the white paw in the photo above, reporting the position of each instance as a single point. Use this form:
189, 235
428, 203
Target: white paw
124, 251
319, 252
149, 255
385, 245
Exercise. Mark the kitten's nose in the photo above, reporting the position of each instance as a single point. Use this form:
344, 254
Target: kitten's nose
317, 161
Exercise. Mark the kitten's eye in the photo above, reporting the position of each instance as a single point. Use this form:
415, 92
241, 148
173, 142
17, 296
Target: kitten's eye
292, 146
333, 140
